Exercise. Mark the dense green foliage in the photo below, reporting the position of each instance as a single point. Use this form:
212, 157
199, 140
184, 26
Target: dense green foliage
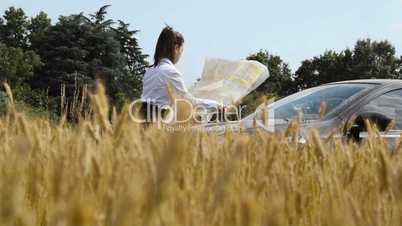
369, 59
17, 65
45, 62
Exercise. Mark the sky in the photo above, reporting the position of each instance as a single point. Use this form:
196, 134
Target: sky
232, 29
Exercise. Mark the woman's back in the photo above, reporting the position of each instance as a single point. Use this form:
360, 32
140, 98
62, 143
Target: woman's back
155, 82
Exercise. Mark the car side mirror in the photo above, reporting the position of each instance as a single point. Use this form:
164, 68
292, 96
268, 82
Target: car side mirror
379, 119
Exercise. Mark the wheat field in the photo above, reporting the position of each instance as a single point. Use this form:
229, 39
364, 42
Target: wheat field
112, 172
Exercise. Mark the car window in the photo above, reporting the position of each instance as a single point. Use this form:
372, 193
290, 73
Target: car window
388, 104
309, 102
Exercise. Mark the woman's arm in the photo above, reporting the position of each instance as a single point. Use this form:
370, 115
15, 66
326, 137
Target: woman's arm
177, 83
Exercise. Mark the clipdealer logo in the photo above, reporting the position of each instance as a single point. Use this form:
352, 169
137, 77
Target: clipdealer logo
193, 113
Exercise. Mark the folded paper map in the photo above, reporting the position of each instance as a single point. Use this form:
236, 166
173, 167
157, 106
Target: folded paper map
228, 81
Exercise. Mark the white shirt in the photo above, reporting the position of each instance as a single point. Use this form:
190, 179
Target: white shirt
155, 89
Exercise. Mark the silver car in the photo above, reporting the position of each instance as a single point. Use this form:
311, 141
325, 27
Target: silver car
330, 108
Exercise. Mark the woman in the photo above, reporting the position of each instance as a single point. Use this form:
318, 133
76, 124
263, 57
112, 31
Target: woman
155, 96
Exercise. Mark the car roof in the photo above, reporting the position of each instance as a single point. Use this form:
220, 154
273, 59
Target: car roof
370, 81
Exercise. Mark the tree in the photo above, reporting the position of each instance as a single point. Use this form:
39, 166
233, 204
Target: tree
78, 50
399, 68
369, 59
16, 65
14, 28
38, 27
75, 51
326, 68
134, 58
126, 82
98, 19
375, 59
280, 79
278, 84
63, 50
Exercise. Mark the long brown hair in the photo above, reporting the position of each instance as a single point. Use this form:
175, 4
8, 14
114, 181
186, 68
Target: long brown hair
167, 41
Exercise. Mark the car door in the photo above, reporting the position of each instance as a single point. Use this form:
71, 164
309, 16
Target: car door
385, 110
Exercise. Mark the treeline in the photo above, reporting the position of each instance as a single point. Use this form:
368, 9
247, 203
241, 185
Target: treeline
367, 60
44, 62
47, 62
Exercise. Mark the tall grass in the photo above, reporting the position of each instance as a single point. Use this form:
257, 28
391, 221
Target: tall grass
112, 172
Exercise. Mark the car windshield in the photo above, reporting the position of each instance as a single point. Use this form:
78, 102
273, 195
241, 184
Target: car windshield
314, 103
